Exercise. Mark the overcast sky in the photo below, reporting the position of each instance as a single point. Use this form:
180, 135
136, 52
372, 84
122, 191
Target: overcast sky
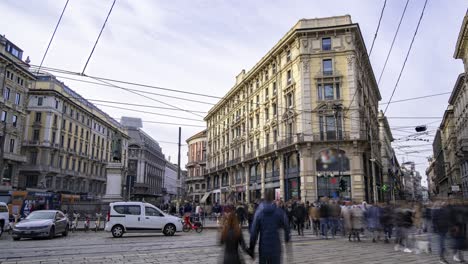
200, 46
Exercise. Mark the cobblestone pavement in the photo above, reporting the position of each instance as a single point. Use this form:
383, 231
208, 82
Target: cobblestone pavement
189, 248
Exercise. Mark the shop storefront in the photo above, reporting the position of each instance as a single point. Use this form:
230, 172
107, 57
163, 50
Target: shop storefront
333, 174
291, 174
272, 173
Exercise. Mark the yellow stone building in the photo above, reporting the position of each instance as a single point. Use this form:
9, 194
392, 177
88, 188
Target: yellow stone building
15, 79
459, 100
68, 141
302, 122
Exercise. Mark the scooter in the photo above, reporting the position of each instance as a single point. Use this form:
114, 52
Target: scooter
86, 224
97, 223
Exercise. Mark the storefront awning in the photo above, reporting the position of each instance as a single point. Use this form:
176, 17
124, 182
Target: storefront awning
205, 196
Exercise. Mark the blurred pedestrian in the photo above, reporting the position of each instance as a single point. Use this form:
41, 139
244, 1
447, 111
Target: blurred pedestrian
346, 214
386, 220
315, 218
308, 222
300, 214
324, 213
240, 212
357, 222
440, 227
373, 221
267, 221
232, 238
458, 220
335, 213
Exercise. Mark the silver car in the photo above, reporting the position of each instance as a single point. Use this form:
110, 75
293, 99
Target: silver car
42, 223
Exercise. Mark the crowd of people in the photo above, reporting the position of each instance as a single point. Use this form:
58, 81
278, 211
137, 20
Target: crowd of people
411, 227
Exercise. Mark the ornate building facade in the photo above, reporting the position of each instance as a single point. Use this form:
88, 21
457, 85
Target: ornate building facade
15, 79
459, 100
68, 141
196, 183
302, 123
146, 163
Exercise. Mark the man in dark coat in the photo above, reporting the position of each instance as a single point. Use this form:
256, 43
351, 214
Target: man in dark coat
240, 212
268, 220
300, 214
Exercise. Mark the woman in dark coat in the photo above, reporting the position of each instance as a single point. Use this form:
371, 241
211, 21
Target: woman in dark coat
232, 238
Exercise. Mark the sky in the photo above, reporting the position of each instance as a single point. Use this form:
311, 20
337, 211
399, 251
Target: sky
200, 46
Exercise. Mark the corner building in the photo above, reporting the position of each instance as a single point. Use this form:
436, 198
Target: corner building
68, 141
196, 169
15, 79
302, 123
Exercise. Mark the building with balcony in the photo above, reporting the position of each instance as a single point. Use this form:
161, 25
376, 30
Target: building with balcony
302, 123
389, 166
15, 79
198, 187
459, 100
411, 182
146, 163
68, 141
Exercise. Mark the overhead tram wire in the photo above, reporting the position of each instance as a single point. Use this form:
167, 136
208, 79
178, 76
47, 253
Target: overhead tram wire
165, 123
98, 38
407, 55
378, 26
153, 99
136, 90
393, 42
139, 105
128, 82
370, 52
151, 113
53, 35
415, 98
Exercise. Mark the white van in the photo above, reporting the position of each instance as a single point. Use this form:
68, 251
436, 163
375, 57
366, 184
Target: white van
4, 218
139, 217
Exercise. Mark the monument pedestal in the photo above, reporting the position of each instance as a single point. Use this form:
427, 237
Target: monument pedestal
115, 176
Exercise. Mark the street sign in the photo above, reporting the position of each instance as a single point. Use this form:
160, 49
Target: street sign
455, 188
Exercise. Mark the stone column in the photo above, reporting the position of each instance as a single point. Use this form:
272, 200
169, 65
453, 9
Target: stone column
357, 177
281, 177
262, 178
115, 175
307, 175
247, 182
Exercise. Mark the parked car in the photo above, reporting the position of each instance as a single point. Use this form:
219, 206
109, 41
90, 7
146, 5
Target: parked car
140, 217
41, 223
4, 218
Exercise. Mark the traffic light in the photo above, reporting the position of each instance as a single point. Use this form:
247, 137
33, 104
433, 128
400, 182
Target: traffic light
343, 185
385, 188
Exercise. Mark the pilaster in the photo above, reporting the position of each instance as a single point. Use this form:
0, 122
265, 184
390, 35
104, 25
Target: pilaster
281, 176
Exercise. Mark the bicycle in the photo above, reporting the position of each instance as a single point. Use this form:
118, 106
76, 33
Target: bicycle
197, 225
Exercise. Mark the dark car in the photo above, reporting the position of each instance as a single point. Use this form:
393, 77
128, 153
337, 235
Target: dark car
42, 223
